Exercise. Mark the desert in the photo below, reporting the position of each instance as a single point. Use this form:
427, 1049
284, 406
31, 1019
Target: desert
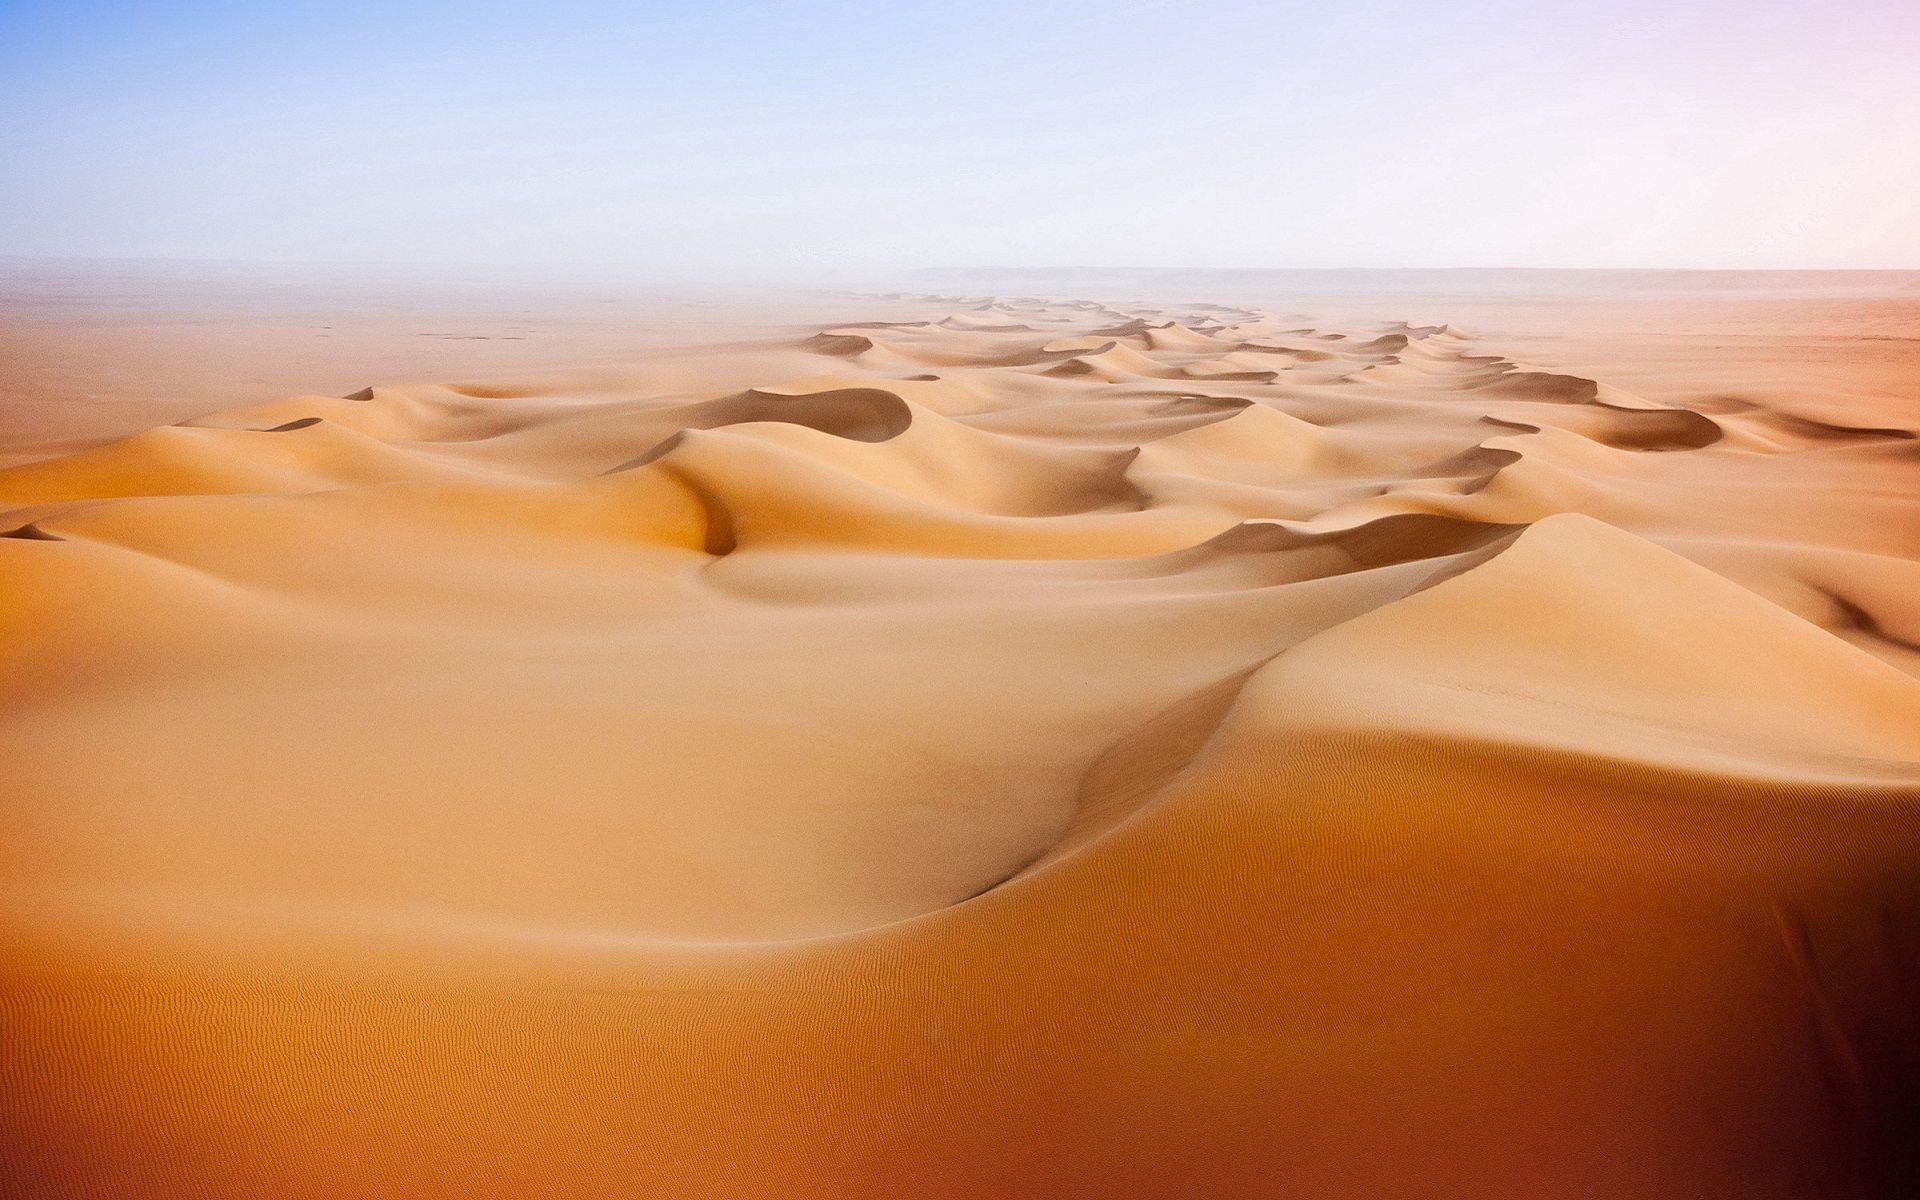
1333, 737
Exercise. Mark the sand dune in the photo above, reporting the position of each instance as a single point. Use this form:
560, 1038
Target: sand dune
996, 748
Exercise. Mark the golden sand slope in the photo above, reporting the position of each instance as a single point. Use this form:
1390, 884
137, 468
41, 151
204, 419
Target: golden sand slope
1044, 750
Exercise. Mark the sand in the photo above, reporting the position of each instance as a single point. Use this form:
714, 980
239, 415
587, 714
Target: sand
969, 746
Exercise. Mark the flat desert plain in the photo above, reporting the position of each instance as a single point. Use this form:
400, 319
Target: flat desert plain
1321, 737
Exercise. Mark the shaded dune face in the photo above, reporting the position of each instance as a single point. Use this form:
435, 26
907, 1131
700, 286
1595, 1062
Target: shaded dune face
1027, 749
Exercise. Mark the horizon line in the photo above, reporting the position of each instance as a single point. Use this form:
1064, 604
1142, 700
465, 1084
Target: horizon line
526, 264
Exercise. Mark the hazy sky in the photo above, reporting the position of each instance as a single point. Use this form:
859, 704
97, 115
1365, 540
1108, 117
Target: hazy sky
785, 136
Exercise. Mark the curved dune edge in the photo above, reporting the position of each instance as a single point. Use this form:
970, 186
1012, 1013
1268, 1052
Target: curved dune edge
1252, 732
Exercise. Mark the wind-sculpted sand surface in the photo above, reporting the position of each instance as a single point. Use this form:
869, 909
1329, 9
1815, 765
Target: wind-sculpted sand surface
1022, 749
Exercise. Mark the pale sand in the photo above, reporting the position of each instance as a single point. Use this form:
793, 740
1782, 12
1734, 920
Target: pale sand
999, 749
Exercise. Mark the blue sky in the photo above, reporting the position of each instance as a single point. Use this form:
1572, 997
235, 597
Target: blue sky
740, 139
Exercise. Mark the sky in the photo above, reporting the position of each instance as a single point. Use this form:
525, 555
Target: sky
735, 139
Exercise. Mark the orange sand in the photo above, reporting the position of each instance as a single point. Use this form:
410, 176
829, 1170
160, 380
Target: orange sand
996, 749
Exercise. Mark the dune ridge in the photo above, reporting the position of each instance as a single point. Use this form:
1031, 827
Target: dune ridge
999, 747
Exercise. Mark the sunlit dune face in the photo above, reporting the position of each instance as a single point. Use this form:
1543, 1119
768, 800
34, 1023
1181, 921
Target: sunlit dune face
993, 749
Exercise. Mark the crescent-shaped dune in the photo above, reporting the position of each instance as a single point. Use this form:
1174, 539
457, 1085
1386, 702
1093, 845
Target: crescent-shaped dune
1021, 749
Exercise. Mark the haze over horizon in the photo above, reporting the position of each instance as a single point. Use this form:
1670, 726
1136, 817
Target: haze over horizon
785, 138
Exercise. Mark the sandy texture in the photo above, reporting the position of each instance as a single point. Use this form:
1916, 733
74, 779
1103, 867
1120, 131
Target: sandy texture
997, 749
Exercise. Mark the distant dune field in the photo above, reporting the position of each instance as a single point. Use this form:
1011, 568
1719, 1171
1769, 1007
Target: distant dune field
976, 747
